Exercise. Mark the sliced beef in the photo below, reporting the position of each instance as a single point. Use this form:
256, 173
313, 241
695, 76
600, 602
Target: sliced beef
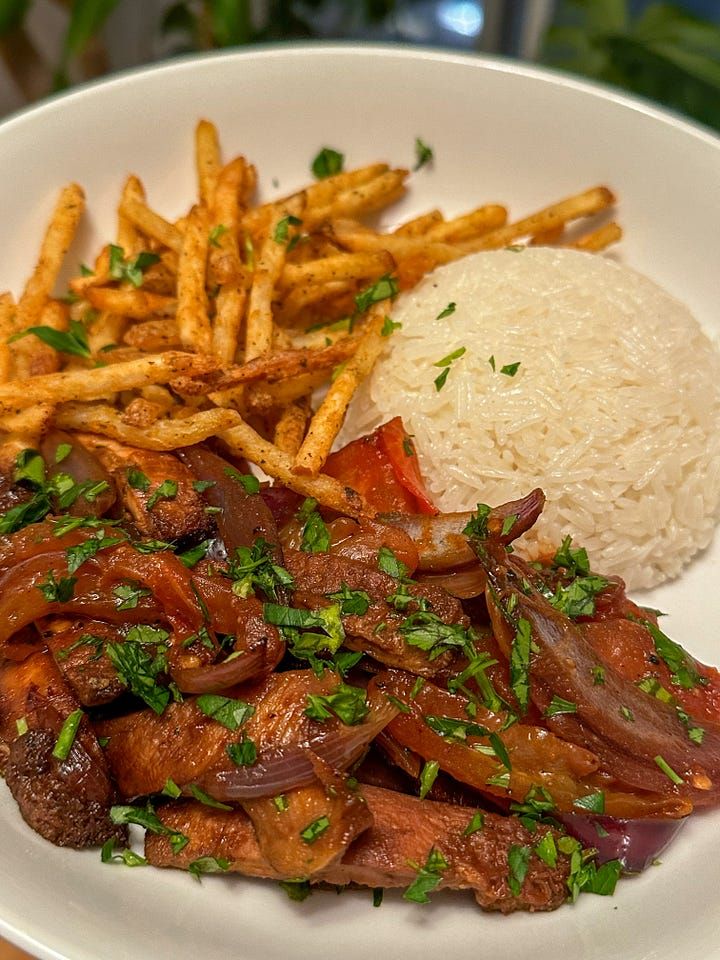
78, 647
403, 832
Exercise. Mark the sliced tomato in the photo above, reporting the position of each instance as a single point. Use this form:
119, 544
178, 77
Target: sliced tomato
383, 468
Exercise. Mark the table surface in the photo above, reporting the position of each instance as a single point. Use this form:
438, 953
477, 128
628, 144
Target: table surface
8, 952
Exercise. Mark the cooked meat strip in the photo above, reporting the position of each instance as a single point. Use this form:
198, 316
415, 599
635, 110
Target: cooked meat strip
174, 517
308, 829
82, 465
404, 830
67, 801
78, 647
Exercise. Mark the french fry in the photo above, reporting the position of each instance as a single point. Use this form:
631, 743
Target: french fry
328, 418
7, 328
488, 217
243, 441
192, 316
418, 226
360, 239
29, 424
264, 397
31, 356
344, 266
100, 382
105, 331
229, 307
598, 239
284, 365
162, 435
366, 198
128, 236
154, 335
301, 298
151, 223
291, 426
141, 413
137, 304
259, 324
207, 161
58, 237
579, 205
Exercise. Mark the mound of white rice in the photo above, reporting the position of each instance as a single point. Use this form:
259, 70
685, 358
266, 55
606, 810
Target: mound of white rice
614, 410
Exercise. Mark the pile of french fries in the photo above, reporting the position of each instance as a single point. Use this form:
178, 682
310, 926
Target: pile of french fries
228, 322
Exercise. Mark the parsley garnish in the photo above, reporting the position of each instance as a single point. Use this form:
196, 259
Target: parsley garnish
62, 452
576, 562
447, 311
383, 289
137, 479
348, 703
546, 850
510, 369
428, 776
477, 822
326, 619
129, 595
253, 568
315, 534
216, 233
57, 591
281, 233
247, 481
297, 890
327, 163
428, 878
446, 363
577, 599
66, 737
477, 527
389, 563
73, 342
592, 802
139, 669
557, 705
428, 632
456, 731
208, 865
77, 555
389, 326
195, 554
675, 658
313, 831
128, 857
167, 490
244, 753
520, 663
423, 154
206, 799
130, 270
518, 864
147, 818
352, 602
231, 713
668, 771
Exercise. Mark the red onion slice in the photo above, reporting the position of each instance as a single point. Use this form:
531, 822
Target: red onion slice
635, 843
289, 766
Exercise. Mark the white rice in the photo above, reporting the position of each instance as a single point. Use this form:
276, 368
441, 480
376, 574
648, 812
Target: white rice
614, 410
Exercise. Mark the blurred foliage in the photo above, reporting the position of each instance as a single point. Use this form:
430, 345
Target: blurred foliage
664, 53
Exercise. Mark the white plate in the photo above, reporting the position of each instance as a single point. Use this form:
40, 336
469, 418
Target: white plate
500, 132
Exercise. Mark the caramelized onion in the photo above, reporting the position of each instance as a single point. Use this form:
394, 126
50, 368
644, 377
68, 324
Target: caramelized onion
635, 843
282, 768
465, 583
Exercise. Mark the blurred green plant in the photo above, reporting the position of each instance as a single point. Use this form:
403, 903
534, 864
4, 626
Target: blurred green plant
664, 53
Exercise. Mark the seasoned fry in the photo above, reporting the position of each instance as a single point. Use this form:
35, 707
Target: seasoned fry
151, 223
328, 419
366, 198
351, 237
128, 236
207, 161
141, 413
473, 224
154, 335
344, 266
264, 397
138, 304
105, 330
598, 239
31, 356
243, 441
7, 328
419, 226
580, 205
163, 435
291, 425
285, 365
230, 306
30, 424
258, 333
300, 298
58, 237
192, 316
98, 383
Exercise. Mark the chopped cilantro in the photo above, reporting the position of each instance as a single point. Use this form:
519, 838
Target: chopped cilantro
352, 602
383, 289
129, 595
576, 561
229, 712
215, 234
389, 326
130, 270
73, 342
57, 591
510, 369
518, 864
557, 705
389, 563
208, 865
253, 568
281, 234
446, 363
137, 479
244, 753
447, 311
66, 737
429, 877
592, 802
423, 154
247, 481
167, 490
327, 163
520, 663
313, 831
477, 822
348, 703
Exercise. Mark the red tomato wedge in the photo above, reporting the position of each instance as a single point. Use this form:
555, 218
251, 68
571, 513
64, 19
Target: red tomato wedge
383, 467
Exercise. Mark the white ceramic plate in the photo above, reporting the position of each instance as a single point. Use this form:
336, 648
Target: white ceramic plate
500, 132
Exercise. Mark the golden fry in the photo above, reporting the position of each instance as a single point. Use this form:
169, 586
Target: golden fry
363, 199
163, 435
58, 237
243, 441
154, 335
141, 413
419, 226
30, 424
151, 223
344, 266
128, 236
599, 239
100, 382
230, 306
31, 356
137, 304
473, 224
328, 419
291, 426
300, 298
7, 328
192, 316
207, 161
